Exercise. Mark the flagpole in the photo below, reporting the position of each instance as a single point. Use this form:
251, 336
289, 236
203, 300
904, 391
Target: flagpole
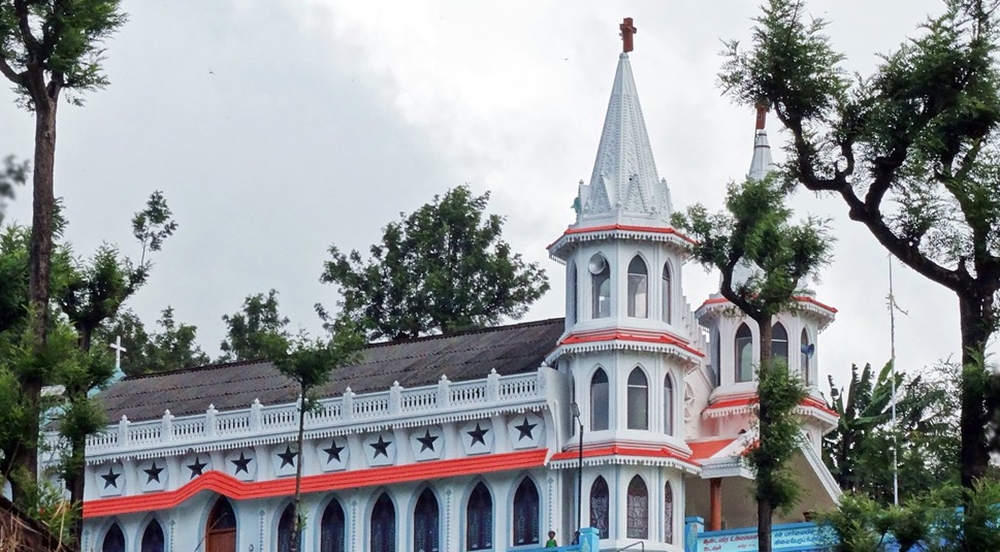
892, 363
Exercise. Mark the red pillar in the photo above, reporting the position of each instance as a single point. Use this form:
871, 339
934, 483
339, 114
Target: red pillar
715, 497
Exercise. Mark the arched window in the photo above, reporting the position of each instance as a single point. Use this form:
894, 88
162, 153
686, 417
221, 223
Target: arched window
114, 540
744, 354
479, 519
779, 342
715, 370
637, 505
668, 298
599, 401
152, 538
807, 349
331, 528
668, 514
525, 519
668, 405
426, 523
638, 288
600, 287
220, 535
600, 503
638, 400
286, 531
571, 290
383, 526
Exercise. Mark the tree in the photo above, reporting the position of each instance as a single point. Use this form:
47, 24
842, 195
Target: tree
911, 150
756, 233
12, 174
173, 347
46, 47
925, 435
250, 330
443, 268
310, 363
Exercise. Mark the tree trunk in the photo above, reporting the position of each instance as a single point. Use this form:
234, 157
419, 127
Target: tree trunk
40, 256
764, 508
296, 525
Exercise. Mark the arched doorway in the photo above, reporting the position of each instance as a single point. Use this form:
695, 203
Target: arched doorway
220, 534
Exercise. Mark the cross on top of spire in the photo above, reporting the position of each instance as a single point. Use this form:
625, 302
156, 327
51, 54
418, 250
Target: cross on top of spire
628, 30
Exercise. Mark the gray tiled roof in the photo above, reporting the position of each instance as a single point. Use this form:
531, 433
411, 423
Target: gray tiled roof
461, 356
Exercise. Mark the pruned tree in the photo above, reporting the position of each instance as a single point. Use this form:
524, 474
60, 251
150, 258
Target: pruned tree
48, 47
756, 234
443, 268
249, 332
911, 150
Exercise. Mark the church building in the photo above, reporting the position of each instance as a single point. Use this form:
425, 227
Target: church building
627, 416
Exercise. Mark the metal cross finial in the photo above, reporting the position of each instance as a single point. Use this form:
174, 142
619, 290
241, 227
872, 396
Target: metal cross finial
628, 30
117, 346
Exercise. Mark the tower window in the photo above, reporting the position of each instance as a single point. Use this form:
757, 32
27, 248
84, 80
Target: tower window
744, 354
637, 505
668, 303
600, 280
779, 342
668, 514
599, 401
638, 288
571, 286
668, 405
600, 506
808, 349
638, 400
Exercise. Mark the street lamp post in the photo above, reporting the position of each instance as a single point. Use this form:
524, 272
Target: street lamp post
579, 469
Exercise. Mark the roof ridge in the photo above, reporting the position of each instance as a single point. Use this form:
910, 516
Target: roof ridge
470, 331
203, 367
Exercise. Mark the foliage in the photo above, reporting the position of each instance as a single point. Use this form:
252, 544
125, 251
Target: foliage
444, 267
152, 226
912, 150
173, 347
11, 174
250, 332
926, 433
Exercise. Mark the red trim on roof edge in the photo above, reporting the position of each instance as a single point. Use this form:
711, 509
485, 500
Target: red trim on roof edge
629, 335
810, 402
625, 228
706, 449
801, 298
230, 487
620, 450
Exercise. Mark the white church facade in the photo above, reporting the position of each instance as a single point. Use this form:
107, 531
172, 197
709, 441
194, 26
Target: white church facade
628, 416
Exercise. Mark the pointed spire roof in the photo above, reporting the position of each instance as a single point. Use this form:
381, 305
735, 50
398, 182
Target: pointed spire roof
761, 164
624, 183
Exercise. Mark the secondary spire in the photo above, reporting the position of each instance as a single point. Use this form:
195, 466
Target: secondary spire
761, 164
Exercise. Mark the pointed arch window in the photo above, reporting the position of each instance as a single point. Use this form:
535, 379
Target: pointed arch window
525, 519
220, 535
638, 288
744, 354
637, 505
599, 410
668, 299
600, 504
779, 342
383, 525
715, 368
807, 350
600, 287
479, 519
426, 523
574, 301
152, 538
668, 514
638, 400
114, 540
286, 531
668, 405
331, 528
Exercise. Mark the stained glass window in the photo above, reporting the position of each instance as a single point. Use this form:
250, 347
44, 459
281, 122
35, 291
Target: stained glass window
637, 509
331, 530
383, 526
668, 514
479, 519
525, 521
426, 523
600, 503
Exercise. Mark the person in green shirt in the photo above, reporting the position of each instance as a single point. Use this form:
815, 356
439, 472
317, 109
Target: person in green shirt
551, 543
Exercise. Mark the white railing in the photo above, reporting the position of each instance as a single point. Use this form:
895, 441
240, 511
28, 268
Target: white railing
345, 410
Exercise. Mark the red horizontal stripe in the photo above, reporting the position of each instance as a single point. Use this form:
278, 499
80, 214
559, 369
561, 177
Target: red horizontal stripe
233, 488
799, 298
629, 335
621, 450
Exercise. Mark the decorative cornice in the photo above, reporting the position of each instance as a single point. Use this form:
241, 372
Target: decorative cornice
619, 339
664, 234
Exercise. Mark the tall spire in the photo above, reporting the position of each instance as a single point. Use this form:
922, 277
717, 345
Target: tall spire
761, 164
624, 183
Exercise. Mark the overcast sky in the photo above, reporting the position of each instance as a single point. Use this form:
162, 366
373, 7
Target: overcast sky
276, 128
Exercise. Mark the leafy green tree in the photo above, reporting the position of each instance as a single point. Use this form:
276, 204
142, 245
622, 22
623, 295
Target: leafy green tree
12, 174
172, 347
310, 362
249, 332
444, 267
756, 233
912, 150
47, 47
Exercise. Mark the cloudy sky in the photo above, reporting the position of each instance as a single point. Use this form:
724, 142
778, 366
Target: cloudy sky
276, 128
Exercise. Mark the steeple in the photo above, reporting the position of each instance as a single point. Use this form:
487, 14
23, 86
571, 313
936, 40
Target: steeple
624, 186
761, 164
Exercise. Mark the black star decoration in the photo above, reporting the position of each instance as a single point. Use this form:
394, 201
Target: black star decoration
381, 447
427, 441
197, 467
525, 429
242, 463
478, 435
111, 478
153, 473
288, 457
333, 452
